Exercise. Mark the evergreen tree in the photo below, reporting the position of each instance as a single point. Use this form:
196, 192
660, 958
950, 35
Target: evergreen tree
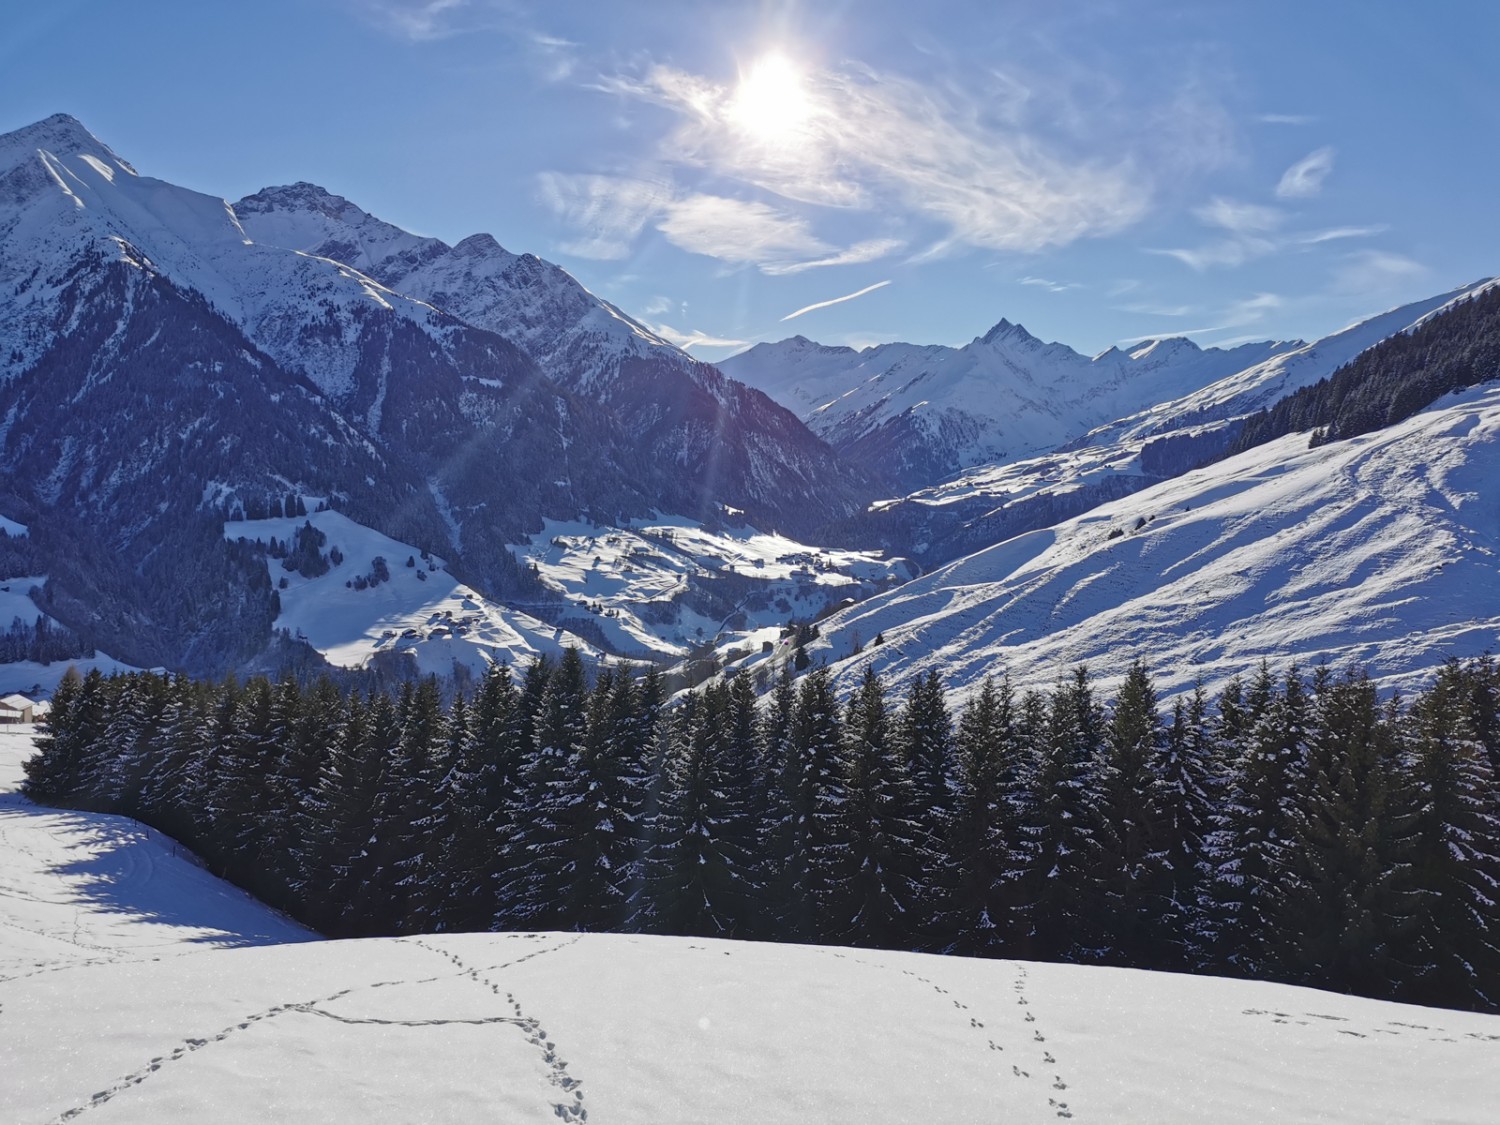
874, 896
974, 913
1191, 775
699, 858
1251, 833
541, 866
1133, 845
1455, 941
1058, 891
1344, 891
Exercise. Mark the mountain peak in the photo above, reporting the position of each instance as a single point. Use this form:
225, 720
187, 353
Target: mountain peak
1005, 330
300, 196
1164, 348
479, 245
62, 134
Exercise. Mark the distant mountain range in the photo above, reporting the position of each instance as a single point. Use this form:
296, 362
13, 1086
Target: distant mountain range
918, 414
175, 367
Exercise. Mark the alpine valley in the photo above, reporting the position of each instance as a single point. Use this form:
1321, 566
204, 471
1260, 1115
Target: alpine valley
281, 432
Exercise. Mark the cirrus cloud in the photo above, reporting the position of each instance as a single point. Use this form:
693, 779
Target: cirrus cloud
871, 139
1304, 179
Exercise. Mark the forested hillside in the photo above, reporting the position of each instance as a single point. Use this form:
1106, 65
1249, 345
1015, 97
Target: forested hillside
1297, 829
1391, 381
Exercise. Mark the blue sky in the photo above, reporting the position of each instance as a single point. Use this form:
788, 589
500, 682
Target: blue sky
851, 171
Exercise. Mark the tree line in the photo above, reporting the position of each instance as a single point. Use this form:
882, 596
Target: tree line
1297, 828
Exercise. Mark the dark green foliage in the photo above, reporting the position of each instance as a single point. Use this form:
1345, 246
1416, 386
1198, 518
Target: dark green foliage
1390, 381
1303, 833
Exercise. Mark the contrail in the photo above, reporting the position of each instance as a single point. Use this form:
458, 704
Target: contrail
836, 300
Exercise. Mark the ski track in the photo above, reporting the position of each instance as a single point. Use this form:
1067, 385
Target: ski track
571, 1108
1047, 1060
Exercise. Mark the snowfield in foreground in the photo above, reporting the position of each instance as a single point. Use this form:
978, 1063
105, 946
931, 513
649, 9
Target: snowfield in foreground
134, 987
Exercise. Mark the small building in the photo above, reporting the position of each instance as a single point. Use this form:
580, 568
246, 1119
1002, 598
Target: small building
17, 709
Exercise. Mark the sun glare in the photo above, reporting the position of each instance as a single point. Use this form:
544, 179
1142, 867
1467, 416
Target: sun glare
771, 104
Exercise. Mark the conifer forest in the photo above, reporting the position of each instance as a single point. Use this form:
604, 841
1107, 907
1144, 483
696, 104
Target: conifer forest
1296, 828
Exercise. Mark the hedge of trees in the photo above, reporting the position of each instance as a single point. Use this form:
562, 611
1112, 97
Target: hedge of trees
1297, 828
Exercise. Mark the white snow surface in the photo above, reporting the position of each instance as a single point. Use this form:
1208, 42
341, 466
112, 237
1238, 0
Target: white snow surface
134, 987
1380, 551
422, 611
12, 528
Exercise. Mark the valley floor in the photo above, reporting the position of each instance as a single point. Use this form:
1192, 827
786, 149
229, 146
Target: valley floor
135, 987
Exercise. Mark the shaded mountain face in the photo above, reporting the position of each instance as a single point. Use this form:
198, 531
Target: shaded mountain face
722, 442
160, 368
924, 413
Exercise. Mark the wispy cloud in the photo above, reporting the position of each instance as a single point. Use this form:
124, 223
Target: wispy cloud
1049, 285
694, 339
868, 251
1228, 253
835, 301
1157, 310
1286, 119
1335, 233
1375, 271
740, 231
1305, 178
1237, 314
1254, 231
870, 139
607, 211
552, 57
1238, 217
418, 20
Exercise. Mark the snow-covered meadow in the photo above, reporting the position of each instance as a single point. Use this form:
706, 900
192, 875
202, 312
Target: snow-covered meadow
134, 987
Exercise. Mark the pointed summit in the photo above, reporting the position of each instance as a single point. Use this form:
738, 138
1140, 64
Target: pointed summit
62, 134
1005, 330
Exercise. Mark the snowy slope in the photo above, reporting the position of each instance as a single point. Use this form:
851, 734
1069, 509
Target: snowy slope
928, 411
422, 611
577, 338
653, 587
1263, 384
1381, 550
135, 988
715, 437
29, 675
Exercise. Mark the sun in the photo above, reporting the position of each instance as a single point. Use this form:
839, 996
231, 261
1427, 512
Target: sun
771, 103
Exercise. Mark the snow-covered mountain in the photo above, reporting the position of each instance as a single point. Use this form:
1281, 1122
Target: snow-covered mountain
1379, 551
161, 366
713, 429
989, 503
102, 918
921, 413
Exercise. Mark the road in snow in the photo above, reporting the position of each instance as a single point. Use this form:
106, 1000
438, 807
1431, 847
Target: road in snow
136, 988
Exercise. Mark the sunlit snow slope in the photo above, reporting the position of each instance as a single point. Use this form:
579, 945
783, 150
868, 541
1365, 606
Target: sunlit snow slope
135, 988
1382, 550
